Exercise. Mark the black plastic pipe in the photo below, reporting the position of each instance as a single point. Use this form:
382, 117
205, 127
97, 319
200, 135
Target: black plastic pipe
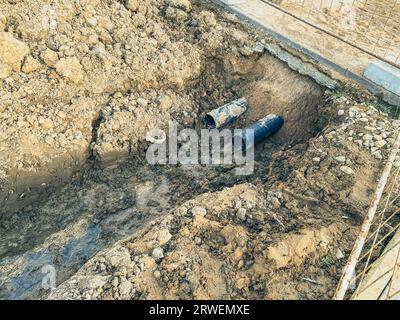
261, 130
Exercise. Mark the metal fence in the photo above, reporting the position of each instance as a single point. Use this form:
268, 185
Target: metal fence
370, 25
372, 271
373, 26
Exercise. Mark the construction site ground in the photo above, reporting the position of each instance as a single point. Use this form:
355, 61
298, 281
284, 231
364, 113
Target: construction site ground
81, 84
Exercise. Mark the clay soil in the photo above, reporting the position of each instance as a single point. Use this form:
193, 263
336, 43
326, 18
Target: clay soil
76, 192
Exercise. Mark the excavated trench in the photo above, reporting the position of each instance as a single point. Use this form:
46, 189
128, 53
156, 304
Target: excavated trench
102, 205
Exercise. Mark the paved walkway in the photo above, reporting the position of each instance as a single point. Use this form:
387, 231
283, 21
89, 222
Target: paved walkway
339, 56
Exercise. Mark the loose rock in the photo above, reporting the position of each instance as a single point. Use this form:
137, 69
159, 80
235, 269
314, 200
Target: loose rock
158, 253
347, 170
70, 69
12, 51
49, 57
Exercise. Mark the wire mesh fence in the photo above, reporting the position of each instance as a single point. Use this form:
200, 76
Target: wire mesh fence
373, 268
378, 267
373, 25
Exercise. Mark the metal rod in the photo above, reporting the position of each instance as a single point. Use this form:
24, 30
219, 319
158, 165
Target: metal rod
383, 239
359, 244
384, 223
369, 285
394, 294
394, 272
381, 223
385, 24
370, 266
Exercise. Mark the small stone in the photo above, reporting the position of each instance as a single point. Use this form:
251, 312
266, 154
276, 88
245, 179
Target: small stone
339, 254
132, 5
341, 159
237, 204
241, 214
120, 258
275, 202
380, 144
176, 15
378, 155
95, 282
347, 170
12, 51
198, 240
331, 134
61, 114
49, 57
340, 112
341, 100
184, 5
369, 128
199, 211
238, 254
30, 65
163, 236
92, 21
142, 102
125, 287
367, 137
70, 69
316, 159
158, 253
46, 124
115, 282
49, 140
246, 51
157, 274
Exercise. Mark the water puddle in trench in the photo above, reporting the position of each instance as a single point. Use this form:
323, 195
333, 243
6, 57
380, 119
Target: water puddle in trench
89, 215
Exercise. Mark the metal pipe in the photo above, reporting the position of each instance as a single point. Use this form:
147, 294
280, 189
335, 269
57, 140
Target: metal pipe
261, 130
226, 114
